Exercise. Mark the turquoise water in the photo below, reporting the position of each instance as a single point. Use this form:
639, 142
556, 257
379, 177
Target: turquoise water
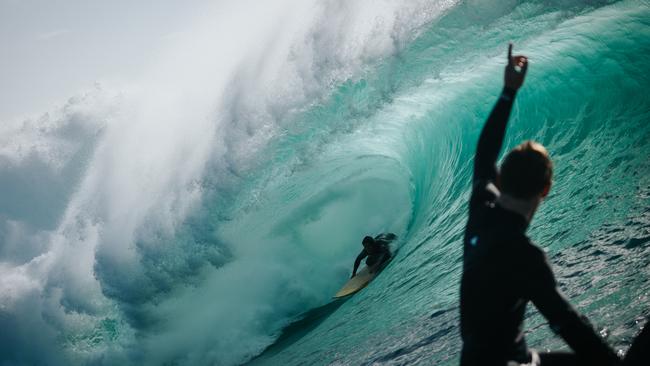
584, 99
267, 219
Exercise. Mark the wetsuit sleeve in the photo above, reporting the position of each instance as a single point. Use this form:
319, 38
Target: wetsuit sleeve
564, 319
357, 262
491, 139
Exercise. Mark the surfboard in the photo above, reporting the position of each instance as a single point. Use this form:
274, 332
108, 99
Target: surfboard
356, 283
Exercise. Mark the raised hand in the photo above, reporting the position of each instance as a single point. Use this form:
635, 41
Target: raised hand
515, 70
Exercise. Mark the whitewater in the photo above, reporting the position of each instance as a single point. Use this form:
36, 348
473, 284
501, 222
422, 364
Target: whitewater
205, 213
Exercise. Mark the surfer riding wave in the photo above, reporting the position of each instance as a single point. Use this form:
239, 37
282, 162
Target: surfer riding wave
376, 250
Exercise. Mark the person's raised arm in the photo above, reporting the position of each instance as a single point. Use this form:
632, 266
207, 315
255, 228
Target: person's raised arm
357, 262
491, 139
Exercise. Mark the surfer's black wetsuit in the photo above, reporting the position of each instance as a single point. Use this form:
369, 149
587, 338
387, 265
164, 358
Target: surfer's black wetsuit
503, 270
379, 256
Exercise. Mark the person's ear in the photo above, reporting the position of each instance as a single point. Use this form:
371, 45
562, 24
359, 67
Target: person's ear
546, 190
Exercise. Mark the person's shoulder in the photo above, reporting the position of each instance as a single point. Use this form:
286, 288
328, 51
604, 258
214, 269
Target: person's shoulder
531, 251
536, 265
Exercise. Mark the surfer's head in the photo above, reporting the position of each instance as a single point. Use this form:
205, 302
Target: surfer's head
368, 242
526, 171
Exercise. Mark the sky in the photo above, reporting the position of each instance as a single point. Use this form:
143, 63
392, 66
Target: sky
51, 50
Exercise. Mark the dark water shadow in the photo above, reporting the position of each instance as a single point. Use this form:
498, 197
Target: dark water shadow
295, 331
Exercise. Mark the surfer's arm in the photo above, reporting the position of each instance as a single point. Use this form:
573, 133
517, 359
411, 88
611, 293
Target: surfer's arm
566, 321
491, 138
357, 262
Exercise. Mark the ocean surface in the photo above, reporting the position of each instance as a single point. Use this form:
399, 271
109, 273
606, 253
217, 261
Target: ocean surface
206, 214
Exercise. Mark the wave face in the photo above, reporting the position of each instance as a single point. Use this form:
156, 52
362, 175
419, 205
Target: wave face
189, 219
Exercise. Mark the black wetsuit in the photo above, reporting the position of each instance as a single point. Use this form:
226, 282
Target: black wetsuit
379, 256
503, 270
